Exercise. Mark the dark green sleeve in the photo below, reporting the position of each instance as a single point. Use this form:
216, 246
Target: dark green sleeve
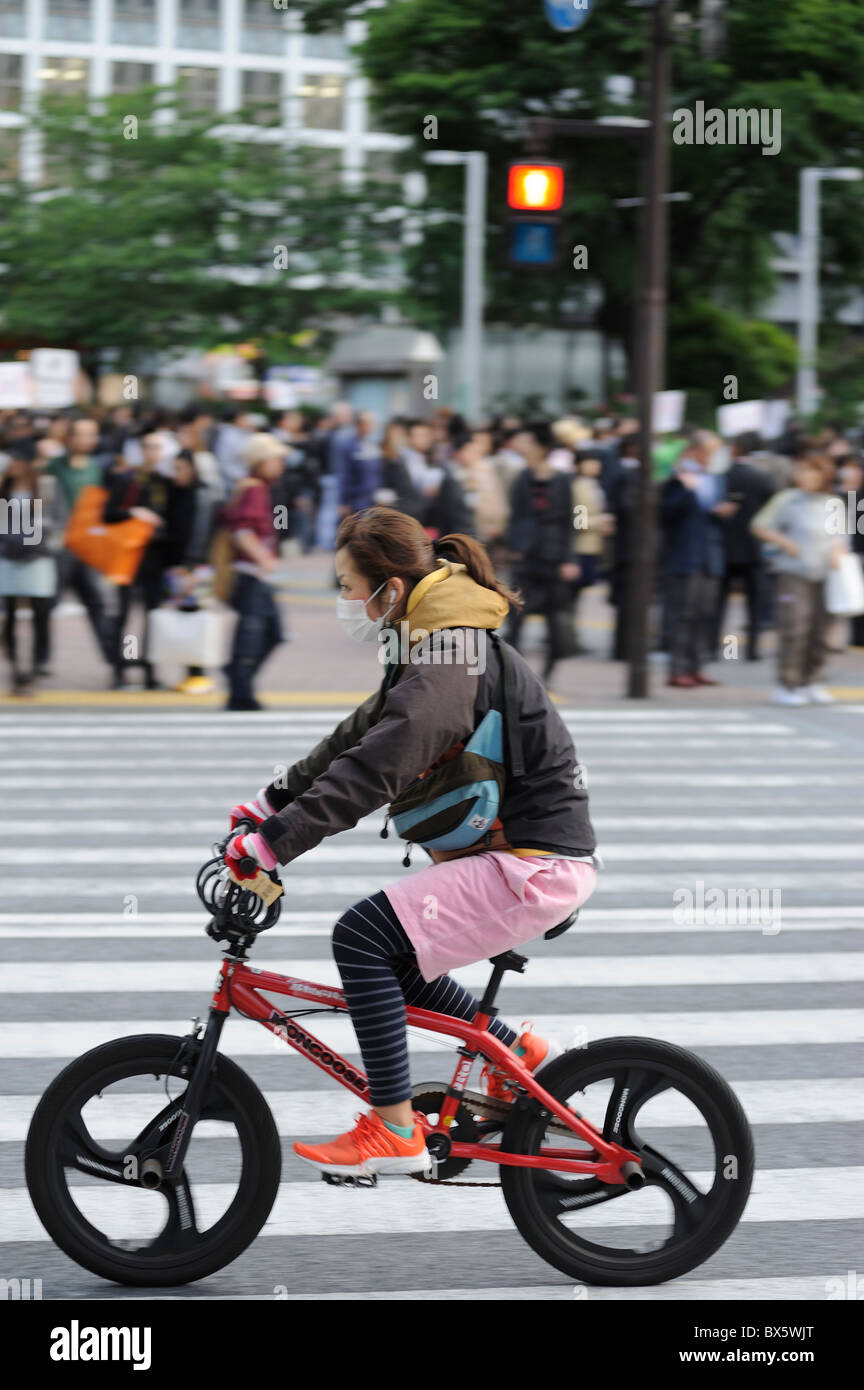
297, 779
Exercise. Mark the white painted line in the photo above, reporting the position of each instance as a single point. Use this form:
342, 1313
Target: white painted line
311, 1209
701, 1028
659, 778
366, 833
804, 1289
546, 972
613, 853
299, 1113
324, 928
590, 914
107, 888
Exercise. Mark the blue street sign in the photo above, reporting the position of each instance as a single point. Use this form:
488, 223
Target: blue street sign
533, 243
567, 15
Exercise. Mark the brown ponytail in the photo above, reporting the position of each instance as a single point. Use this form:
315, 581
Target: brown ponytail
470, 553
384, 543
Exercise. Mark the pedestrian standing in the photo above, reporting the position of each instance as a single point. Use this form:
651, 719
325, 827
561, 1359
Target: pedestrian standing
540, 537
81, 465
796, 524
249, 517
691, 506
28, 570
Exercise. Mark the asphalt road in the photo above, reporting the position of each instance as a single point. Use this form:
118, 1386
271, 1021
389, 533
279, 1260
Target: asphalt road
107, 814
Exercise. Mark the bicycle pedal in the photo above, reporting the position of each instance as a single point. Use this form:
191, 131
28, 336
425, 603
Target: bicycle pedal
351, 1179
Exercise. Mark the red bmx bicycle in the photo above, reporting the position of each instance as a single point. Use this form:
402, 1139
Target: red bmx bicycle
155, 1160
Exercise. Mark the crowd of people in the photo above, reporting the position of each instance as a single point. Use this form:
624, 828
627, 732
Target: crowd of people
210, 496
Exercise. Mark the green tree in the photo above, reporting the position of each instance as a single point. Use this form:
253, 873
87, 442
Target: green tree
159, 226
482, 70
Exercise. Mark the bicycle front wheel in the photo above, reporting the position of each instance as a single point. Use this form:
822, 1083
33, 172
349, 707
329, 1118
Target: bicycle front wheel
83, 1175
696, 1148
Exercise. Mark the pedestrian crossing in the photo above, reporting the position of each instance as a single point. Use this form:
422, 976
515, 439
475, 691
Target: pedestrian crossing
106, 816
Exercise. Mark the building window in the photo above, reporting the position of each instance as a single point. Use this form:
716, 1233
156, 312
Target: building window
10, 154
323, 100
70, 20
134, 22
262, 27
263, 92
198, 24
380, 165
13, 21
330, 45
64, 76
129, 77
10, 82
201, 87
323, 166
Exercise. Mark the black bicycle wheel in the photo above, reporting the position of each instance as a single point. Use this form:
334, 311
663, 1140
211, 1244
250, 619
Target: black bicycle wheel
688, 1128
87, 1193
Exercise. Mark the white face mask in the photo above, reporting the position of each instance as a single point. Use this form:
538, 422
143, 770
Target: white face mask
352, 614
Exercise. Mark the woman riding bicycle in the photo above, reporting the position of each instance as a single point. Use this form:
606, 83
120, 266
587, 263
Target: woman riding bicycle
518, 871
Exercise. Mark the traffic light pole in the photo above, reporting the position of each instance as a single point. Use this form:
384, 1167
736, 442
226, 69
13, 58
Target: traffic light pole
650, 317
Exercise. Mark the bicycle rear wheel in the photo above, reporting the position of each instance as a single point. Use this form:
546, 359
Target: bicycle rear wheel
688, 1128
89, 1195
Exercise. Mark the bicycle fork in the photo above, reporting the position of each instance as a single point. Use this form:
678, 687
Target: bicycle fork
171, 1130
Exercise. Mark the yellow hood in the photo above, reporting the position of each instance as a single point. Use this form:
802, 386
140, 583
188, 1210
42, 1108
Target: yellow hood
449, 597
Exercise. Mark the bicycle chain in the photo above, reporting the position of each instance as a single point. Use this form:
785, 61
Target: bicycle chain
489, 1109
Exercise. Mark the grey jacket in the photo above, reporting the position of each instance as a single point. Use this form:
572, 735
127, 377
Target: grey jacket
419, 712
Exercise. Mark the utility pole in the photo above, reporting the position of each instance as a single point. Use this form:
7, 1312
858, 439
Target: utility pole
650, 344
652, 136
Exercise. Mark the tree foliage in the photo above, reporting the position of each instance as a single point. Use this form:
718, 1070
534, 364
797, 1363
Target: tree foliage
484, 69
158, 225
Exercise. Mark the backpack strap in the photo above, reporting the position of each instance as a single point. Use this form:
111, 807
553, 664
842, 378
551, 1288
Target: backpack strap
510, 707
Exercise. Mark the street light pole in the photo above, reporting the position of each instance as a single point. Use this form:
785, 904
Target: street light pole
806, 391
472, 285
473, 251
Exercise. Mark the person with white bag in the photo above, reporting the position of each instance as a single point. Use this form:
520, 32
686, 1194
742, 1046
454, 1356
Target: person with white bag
799, 524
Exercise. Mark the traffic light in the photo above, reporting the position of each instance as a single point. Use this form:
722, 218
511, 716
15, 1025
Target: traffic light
535, 192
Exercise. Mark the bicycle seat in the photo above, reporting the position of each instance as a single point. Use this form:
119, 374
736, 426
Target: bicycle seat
562, 926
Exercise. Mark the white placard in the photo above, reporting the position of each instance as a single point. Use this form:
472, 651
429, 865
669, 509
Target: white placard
55, 374
16, 386
739, 417
774, 419
668, 412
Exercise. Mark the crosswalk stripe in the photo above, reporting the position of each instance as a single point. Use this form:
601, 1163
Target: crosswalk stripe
612, 851
367, 830
546, 972
704, 1028
800, 1288
651, 921
308, 1209
117, 886
297, 1113
656, 778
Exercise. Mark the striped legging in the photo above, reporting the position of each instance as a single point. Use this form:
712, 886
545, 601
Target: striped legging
379, 974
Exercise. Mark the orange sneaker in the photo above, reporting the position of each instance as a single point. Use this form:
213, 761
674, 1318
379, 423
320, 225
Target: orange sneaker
369, 1148
496, 1085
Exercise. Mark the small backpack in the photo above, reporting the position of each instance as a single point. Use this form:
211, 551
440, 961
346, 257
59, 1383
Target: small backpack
454, 803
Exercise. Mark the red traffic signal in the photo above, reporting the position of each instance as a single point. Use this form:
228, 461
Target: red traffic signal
535, 187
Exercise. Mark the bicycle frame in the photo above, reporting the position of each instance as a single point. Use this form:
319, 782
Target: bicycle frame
238, 986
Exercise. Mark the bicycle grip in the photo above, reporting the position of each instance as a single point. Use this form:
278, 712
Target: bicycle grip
248, 864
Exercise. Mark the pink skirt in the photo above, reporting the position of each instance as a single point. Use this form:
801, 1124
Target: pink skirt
463, 910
